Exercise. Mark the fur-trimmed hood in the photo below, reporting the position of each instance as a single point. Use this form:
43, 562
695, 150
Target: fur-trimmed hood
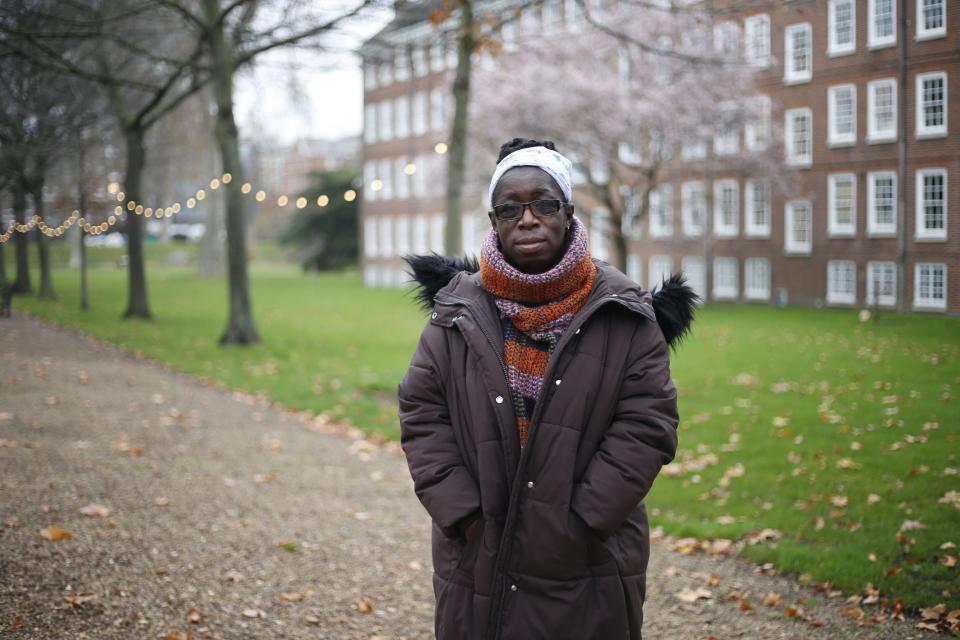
674, 302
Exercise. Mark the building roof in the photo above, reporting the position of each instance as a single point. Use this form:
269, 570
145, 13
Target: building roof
406, 14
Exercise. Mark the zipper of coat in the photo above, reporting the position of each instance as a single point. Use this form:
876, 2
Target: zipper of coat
493, 345
504, 558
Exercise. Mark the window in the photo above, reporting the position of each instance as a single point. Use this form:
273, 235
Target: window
799, 137
842, 26
386, 72
403, 235
599, 222
369, 75
634, 268
419, 113
468, 233
530, 21
436, 56
881, 283
402, 62
932, 104
757, 32
660, 268
632, 201
725, 278
386, 177
798, 58
695, 271
628, 151
402, 112
693, 149
726, 137
420, 177
573, 15
370, 123
402, 179
842, 115
370, 237
421, 240
797, 228
386, 236
881, 23
726, 37
756, 132
756, 279
661, 211
881, 203
438, 118
386, 120
694, 205
932, 204
842, 205
418, 57
757, 209
437, 225
369, 275
369, 175
552, 17
931, 19
882, 110
726, 205
841, 282
930, 285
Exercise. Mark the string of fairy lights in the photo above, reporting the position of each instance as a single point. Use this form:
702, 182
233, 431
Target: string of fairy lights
136, 208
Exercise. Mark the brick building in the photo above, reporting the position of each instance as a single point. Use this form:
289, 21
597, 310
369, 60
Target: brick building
864, 91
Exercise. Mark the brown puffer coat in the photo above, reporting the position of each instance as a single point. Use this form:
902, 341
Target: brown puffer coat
561, 546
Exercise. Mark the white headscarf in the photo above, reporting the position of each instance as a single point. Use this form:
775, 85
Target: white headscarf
554, 163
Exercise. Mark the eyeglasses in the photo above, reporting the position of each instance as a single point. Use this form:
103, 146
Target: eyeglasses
541, 208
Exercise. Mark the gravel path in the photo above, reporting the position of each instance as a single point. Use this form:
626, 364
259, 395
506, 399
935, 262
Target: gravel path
257, 522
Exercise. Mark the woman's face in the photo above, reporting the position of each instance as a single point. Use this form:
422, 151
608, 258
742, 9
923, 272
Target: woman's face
529, 243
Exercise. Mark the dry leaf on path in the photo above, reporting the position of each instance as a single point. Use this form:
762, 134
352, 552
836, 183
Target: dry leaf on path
79, 599
95, 510
254, 613
692, 595
772, 599
178, 635
364, 605
193, 615
55, 533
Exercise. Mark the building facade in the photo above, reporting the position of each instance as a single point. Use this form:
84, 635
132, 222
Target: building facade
865, 94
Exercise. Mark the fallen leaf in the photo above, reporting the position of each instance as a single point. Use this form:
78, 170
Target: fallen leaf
16, 622
161, 501
79, 599
291, 596
232, 576
55, 533
772, 599
933, 613
364, 605
254, 613
793, 612
314, 620
95, 510
692, 595
193, 615
745, 606
178, 635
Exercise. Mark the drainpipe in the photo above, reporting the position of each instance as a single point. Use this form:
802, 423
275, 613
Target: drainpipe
902, 163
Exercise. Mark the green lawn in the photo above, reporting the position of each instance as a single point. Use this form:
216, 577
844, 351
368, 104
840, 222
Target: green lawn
834, 432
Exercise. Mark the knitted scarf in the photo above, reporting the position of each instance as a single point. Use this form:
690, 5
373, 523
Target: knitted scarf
535, 310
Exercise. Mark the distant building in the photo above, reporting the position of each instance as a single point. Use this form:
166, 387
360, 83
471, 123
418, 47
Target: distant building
864, 96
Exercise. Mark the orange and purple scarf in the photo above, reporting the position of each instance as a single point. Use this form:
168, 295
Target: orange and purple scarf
535, 310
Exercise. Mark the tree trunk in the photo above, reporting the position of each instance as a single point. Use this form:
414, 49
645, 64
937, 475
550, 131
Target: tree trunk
619, 240
43, 247
241, 328
137, 301
453, 240
22, 282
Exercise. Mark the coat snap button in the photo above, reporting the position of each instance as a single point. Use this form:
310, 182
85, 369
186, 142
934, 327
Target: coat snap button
558, 382
577, 331
613, 295
434, 315
513, 587
530, 485
499, 399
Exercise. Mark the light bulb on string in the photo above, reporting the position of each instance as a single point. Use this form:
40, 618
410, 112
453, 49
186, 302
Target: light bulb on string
226, 178
301, 202
349, 195
440, 147
191, 203
377, 184
214, 183
201, 194
261, 195
410, 169
282, 201
323, 201
246, 187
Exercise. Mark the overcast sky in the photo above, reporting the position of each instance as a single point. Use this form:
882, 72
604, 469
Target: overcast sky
306, 93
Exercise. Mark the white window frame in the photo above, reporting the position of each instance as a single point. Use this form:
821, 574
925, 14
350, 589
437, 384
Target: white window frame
401, 179
693, 149
661, 211
369, 75
792, 247
403, 235
419, 113
385, 119
883, 299
401, 111
421, 235
438, 115
369, 175
370, 244
401, 63
419, 187
752, 268
385, 234
756, 131
370, 123
924, 33
928, 302
922, 231
726, 37
385, 72
418, 59
726, 137
386, 179
722, 290
793, 159
687, 191
695, 270
874, 135
720, 229
841, 296
758, 53
635, 268
875, 41
922, 130
874, 227
790, 74
836, 229
437, 224
837, 138
660, 268
833, 47
750, 228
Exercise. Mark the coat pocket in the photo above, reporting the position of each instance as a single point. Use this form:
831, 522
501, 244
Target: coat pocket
469, 549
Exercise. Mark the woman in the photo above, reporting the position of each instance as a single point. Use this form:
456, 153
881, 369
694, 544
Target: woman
537, 410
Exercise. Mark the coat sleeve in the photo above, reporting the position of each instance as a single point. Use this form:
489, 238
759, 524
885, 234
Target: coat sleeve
445, 487
642, 437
